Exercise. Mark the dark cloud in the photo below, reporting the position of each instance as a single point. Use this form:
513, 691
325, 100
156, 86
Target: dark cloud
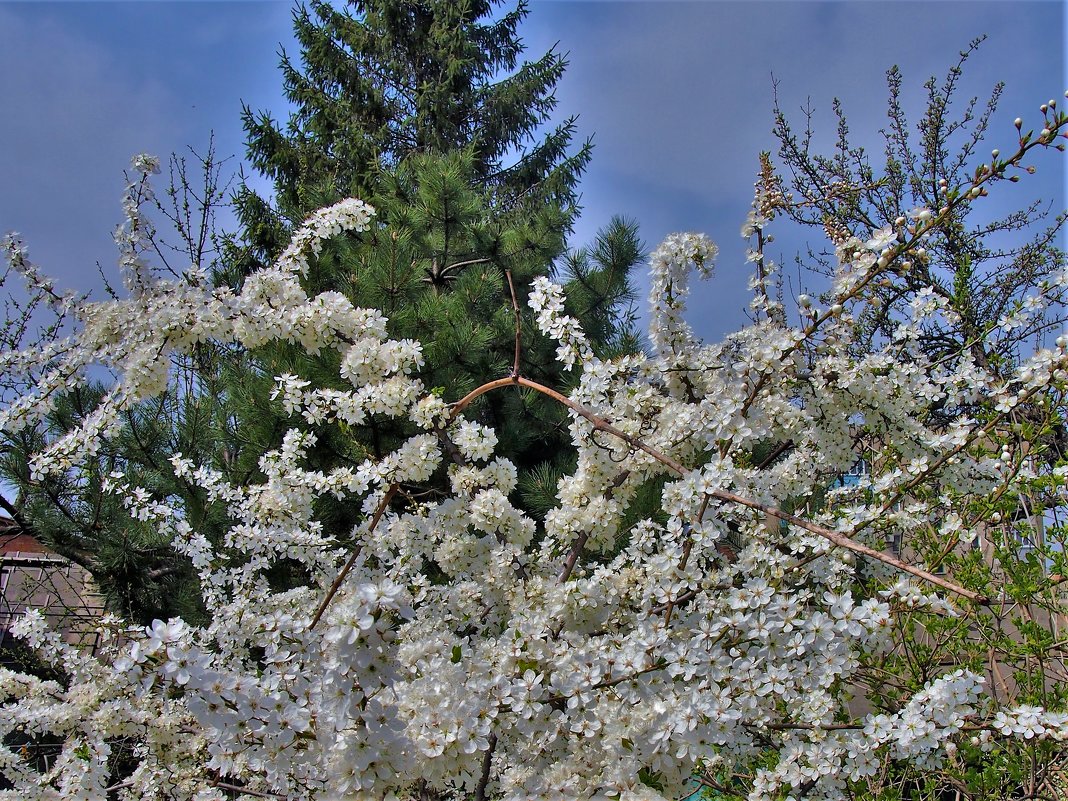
85, 86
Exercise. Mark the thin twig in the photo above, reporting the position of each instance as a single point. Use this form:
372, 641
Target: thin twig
686, 549
382, 506
518, 328
572, 556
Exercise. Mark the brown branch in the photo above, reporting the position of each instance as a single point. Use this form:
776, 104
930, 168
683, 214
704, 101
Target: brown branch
660, 664
772, 457
689, 595
487, 761
835, 537
843, 541
245, 790
580, 541
457, 265
686, 549
805, 726
572, 556
382, 506
489, 386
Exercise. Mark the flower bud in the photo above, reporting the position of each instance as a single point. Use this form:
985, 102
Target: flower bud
1018, 123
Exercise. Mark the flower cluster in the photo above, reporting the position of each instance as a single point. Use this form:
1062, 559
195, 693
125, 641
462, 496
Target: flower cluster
547, 301
133, 238
669, 265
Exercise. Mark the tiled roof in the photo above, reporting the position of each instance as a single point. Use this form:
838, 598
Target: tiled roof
13, 540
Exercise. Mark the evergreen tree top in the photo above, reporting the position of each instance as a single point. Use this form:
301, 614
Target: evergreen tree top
379, 81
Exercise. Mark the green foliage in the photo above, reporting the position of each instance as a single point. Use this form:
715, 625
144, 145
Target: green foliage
436, 264
383, 81
425, 111
135, 568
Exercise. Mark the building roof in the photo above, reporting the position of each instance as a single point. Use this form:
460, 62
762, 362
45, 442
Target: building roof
14, 540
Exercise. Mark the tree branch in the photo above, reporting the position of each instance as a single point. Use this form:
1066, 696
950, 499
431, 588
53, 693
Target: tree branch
835, 537
382, 506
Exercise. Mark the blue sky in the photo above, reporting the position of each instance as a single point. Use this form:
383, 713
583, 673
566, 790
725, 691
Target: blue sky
677, 96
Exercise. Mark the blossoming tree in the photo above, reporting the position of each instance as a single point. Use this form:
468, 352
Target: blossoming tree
458, 649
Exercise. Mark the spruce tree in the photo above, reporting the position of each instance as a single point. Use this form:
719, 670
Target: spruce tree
387, 80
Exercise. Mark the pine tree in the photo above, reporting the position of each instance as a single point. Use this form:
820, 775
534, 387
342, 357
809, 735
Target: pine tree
396, 79
134, 567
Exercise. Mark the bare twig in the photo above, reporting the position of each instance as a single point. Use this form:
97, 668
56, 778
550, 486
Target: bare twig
382, 506
518, 328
